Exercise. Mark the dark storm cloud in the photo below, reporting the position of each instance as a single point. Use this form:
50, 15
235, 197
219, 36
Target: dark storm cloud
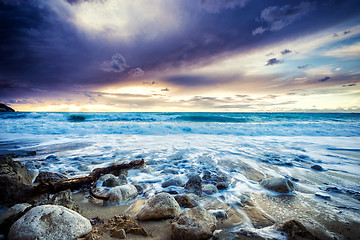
286, 51
278, 17
42, 48
324, 79
273, 61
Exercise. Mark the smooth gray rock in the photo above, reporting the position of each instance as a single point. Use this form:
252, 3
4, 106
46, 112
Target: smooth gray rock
281, 185
50, 222
121, 193
317, 168
160, 206
193, 223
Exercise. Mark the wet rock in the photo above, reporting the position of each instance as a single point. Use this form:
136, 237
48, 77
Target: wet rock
281, 185
52, 158
317, 168
160, 206
209, 189
187, 200
243, 233
193, 223
194, 185
64, 199
222, 185
50, 222
219, 214
15, 181
34, 173
295, 230
114, 181
107, 176
176, 181
323, 196
4, 108
121, 193
83, 167
49, 177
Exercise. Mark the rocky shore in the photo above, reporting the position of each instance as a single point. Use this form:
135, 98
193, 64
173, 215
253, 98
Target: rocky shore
129, 213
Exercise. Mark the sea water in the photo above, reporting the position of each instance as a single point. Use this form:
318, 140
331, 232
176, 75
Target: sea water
274, 144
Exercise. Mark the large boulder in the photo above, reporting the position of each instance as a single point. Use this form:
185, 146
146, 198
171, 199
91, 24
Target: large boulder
194, 185
193, 223
45, 176
281, 185
4, 108
50, 222
113, 181
121, 193
160, 206
15, 181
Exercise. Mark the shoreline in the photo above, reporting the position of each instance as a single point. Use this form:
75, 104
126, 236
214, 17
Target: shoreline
255, 216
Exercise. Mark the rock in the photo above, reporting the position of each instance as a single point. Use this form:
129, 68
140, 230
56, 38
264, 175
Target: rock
121, 193
176, 181
219, 214
295, 230
193, 223
15, 181
194, 185
222, 185
128, 224
115, 181
317, 168
64, 199
281, 185
50, 222
323, 196
160, 206
49, 177
187, 200
8, 218
209, 189
4, 108
117, 232
107, 176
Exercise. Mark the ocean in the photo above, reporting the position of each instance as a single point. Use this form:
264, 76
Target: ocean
239, 145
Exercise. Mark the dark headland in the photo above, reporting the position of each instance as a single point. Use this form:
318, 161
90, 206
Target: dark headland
4, 108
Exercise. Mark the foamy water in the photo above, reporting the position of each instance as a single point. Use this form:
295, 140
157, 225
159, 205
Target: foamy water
276, 145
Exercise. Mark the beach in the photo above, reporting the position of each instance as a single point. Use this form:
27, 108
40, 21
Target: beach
237, 156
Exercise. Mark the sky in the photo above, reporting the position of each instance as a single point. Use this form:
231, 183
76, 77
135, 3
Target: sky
180, 55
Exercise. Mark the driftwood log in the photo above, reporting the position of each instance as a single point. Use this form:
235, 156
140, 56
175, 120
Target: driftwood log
76, 183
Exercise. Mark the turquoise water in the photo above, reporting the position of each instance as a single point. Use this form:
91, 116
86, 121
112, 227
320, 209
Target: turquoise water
252, 124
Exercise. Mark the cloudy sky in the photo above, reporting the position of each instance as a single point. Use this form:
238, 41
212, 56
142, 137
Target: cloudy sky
180, 55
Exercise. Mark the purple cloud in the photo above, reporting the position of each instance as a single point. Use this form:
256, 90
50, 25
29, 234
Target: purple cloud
117, 64
273, 61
